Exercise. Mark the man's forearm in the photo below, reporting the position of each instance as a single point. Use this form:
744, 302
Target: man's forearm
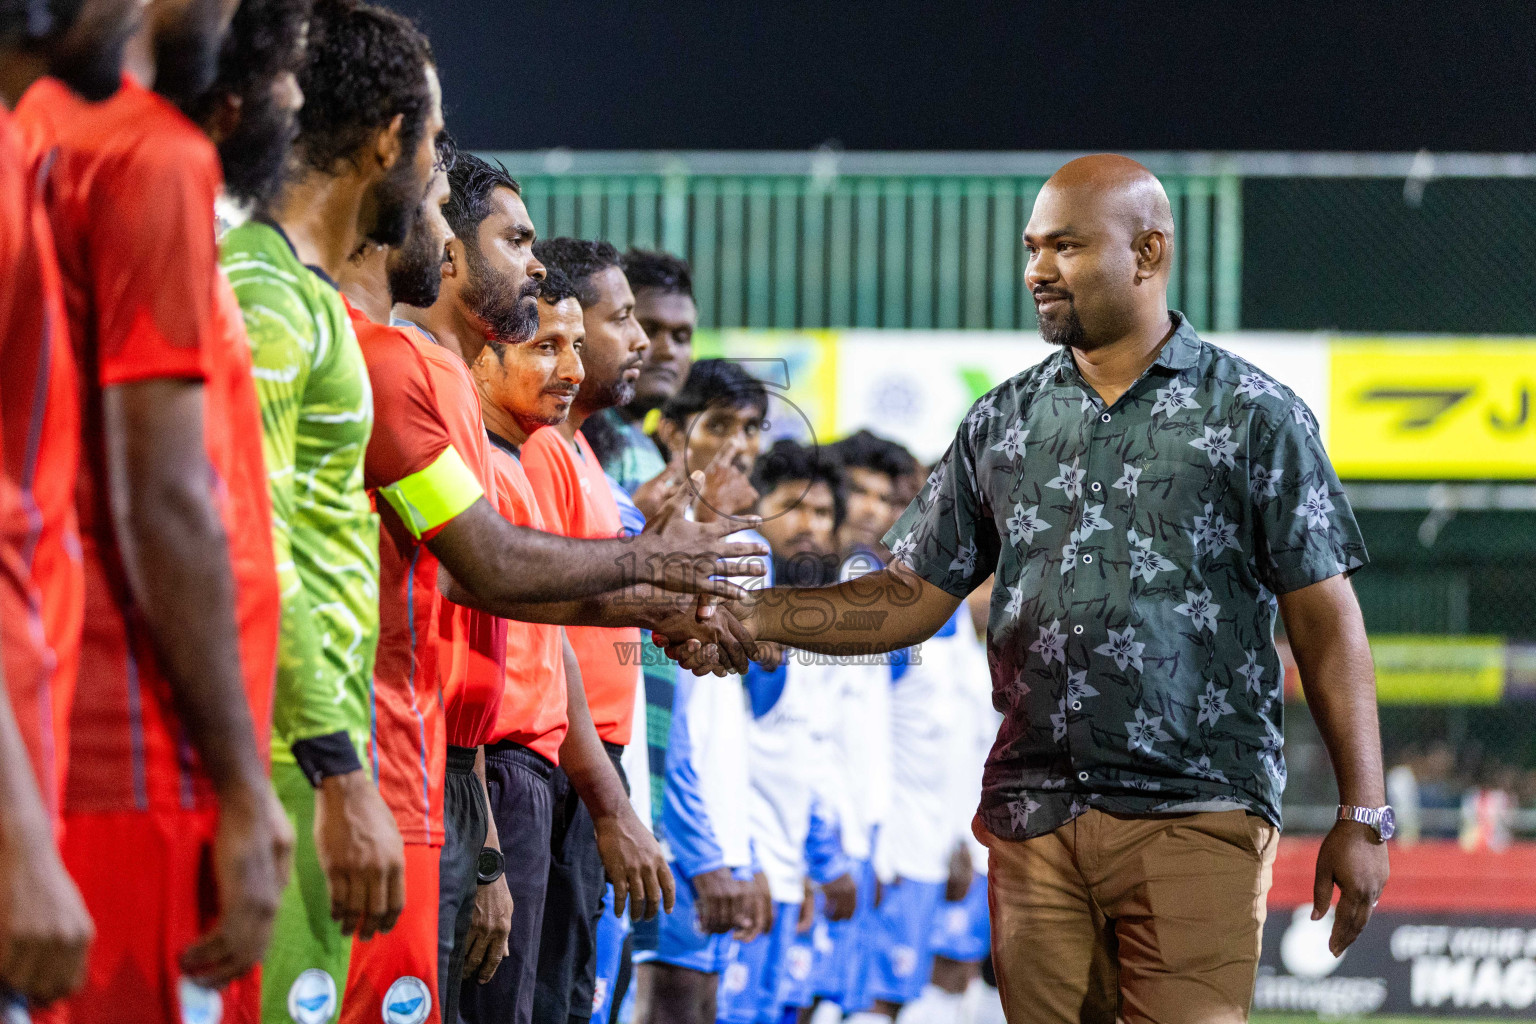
23, 819
176, 558
492, 837
883, 611
582, 755
1331, 650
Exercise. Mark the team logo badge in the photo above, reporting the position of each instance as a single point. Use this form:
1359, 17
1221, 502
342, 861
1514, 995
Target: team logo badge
735, 979
199, 1005
408, 1001
797, 961
312, 999
599, 994
903, 961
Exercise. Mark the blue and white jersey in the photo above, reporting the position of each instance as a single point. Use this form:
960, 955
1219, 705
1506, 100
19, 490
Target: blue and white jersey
928, 719
779, 807
976, 726
704, 819
858, 747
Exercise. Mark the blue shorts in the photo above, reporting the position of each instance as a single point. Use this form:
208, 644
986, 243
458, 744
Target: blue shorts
678, 939
901, 953
963, 931
611, 933
798, 989
753, 988
839, 972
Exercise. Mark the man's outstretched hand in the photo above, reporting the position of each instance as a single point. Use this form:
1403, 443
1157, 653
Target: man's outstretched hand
686, 557
1353, 859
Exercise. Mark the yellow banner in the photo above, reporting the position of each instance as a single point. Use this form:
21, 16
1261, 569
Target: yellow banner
1410, 409
1413, 669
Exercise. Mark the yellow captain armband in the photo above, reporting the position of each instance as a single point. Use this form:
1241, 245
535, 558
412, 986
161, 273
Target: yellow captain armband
431, 497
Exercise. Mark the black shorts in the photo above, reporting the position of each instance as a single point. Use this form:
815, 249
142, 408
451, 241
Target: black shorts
518, 781
572, 904
464, 832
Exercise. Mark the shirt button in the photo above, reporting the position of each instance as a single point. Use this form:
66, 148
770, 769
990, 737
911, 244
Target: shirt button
1105, 417
1082, 776
1096, 486
1077, 629
1087, 559
1077, 705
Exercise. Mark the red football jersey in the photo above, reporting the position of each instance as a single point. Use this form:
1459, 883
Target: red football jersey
472, 644
574, 497
420, 480
131, 184
39, 450
533, 704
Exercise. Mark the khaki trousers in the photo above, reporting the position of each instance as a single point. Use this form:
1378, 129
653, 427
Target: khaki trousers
1148, 920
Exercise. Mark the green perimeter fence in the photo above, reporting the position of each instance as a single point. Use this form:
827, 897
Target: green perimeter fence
1355, 242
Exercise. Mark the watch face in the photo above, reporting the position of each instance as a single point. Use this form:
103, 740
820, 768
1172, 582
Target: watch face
489, 865
1388, 826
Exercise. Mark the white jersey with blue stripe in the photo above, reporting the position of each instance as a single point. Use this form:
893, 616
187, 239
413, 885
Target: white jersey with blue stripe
705, 821
928, 718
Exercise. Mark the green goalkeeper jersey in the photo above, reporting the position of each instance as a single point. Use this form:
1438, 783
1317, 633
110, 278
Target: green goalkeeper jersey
317, 414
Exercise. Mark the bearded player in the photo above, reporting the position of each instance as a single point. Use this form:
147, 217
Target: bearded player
169, 659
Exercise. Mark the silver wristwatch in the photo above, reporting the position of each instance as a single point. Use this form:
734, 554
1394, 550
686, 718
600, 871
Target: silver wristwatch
1380, 819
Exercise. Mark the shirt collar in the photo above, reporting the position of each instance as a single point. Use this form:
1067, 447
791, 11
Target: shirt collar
1179, 353
1182, 351
400, 321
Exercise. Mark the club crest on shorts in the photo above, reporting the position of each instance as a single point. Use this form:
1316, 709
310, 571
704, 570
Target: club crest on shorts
312, 998
797, 962
735, 979
199, 1005
903, 961
599, 993
408, 1001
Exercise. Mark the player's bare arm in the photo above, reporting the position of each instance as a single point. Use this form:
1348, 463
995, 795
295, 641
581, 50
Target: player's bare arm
491, 925
500, 567
907, 608
44, 927
631, 856
1327, 635
176, 557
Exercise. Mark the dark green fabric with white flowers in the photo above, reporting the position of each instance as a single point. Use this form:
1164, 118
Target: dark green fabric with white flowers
1138, 549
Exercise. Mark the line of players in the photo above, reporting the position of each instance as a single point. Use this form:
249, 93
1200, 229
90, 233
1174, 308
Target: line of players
295, 676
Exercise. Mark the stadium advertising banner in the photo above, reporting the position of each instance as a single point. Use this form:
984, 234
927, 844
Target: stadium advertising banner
1451, 965
1454, 936
1405, 408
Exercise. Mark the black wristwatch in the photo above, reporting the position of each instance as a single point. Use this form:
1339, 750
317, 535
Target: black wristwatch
490, 865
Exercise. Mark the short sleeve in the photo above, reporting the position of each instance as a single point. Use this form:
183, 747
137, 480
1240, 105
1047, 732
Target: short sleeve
552, 479
153, 261
1305, 530
946, 535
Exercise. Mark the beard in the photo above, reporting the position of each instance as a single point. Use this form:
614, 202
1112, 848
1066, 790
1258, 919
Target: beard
187, 57
398, 199
1065, 331
511, 315
416, 268
255, 156
607, 394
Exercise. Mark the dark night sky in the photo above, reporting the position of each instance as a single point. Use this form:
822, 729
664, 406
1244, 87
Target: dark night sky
753, 74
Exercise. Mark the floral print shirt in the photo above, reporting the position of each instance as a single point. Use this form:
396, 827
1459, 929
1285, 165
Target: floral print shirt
1138, 549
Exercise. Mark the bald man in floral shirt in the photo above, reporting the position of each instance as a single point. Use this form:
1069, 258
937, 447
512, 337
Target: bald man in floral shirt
1148, 503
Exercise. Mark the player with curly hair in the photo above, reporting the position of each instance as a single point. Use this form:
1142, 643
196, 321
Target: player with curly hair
362, 162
